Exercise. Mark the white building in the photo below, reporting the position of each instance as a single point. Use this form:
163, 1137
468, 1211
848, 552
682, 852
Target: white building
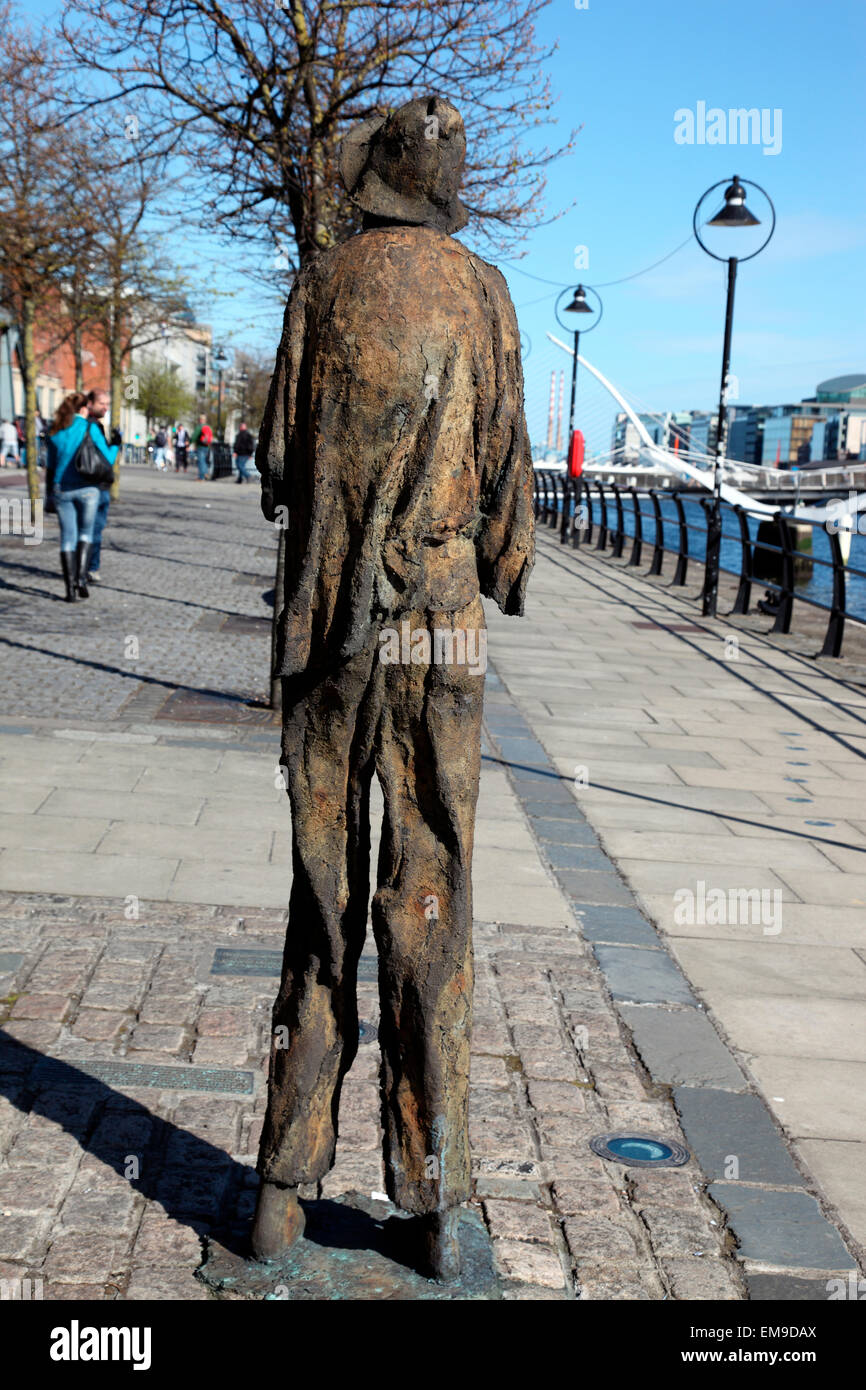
185, 347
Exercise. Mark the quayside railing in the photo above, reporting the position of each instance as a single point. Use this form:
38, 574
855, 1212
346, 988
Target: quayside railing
582, 511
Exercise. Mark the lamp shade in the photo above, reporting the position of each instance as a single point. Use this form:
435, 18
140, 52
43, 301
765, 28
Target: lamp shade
578, 304
734, 213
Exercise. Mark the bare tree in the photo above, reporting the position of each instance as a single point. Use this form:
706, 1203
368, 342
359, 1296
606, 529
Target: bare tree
135, 292
250, 383
44, 221
257, 94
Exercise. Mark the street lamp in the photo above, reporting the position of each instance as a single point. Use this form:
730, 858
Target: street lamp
220, 358
243, 378
734, 214
580, 307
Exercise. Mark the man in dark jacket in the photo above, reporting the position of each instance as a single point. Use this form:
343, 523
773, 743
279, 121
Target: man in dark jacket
243, 449
394, 441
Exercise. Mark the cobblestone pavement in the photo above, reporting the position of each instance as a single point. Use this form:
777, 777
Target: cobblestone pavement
178, 559
107, 1184
133, 1048
720, 766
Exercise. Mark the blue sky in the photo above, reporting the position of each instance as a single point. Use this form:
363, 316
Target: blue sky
622, 69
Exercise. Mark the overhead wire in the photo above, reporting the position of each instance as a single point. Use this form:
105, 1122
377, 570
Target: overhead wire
605, 284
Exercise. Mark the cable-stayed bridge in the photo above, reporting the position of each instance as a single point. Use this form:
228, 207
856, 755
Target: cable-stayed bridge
645, 462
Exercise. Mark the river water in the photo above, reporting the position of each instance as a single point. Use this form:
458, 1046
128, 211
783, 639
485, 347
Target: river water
817, 586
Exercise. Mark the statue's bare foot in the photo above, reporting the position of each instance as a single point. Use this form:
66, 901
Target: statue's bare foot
438, 1247
279, 1221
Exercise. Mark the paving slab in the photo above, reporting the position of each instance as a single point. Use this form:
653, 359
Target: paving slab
573, 831
818, 1097
733, 1135
781, 1228
62, 871
643, 976
680, 1047
788, 1288
622, 925
839, 1167
596, 886
774, 965
781, 1025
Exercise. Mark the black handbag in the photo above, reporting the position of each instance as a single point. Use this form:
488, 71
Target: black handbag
91, 463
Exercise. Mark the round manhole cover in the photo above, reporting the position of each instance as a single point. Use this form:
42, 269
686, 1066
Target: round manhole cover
367, 1032
640, 1150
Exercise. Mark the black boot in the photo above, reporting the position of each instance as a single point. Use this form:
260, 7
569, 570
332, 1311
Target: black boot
83, 560
67, 562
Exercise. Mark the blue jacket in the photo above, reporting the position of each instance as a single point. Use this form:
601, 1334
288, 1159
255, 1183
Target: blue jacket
62, 448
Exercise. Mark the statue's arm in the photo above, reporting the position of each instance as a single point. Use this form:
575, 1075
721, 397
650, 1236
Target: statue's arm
277, 434
505, 545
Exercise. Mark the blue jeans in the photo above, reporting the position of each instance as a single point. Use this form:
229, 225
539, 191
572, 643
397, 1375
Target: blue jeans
99, 527
201, 458
243, 465
76, 512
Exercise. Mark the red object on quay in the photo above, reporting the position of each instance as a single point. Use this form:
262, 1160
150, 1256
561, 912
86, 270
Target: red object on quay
575, 455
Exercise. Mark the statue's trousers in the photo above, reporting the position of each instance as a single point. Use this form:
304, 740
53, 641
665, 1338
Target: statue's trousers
416, 723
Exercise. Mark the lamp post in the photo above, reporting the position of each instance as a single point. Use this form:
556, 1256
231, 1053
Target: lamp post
578, 306
734, 214
220, 359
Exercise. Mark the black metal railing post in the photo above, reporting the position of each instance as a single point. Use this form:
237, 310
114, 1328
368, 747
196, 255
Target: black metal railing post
637, 543
619, 536
545, 500
576, 516
710, 594
786, 596
682, 568
744, 591
836, 625
601, 543
582, 534
553, 519
567, 500
659, 546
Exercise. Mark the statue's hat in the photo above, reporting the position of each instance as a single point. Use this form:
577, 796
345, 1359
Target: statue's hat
407, 166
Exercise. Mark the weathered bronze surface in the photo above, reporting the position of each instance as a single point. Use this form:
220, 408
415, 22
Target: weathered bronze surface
396, 448
354, 1249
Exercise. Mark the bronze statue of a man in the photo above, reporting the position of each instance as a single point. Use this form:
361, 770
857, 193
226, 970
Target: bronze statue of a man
395, 438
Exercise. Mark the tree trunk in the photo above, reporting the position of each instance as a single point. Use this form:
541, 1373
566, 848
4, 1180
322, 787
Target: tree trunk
79, 359
28, 364
279, 578
115, 360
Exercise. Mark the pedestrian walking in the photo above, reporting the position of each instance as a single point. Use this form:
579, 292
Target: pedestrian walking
21, 432
78, 457
8, 444
202, 440
243, 449
97, 408
181, 448
159, 444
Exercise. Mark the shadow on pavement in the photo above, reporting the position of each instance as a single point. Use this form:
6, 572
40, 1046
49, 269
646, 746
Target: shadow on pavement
196, 1183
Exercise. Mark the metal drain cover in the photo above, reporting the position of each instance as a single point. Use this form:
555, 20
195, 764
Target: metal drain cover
640, 1150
